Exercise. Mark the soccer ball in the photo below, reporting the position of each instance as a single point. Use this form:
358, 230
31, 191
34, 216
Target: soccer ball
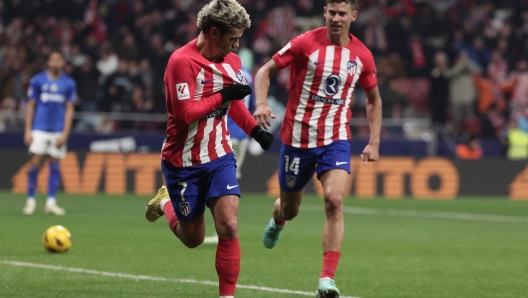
57, 239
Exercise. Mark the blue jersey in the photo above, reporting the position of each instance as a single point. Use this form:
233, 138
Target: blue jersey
51, 96
234, 131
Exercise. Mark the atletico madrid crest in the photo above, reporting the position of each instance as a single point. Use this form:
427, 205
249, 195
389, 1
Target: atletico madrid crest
240, 78
351, 67
290, 181
185, 208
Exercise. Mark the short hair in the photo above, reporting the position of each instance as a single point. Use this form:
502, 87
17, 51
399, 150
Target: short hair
55, 51
224, 15
353, 3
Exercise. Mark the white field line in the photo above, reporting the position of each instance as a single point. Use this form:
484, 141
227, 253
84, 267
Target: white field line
154, 278
424, 214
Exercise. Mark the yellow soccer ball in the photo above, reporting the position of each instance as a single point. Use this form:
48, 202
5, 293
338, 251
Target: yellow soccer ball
57, 239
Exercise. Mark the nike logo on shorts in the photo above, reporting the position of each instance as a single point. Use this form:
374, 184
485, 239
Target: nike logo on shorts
205, 82
231, 187
338, 163
317, 63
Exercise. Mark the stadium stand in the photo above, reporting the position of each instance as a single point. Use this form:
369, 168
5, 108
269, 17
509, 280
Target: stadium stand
117, 52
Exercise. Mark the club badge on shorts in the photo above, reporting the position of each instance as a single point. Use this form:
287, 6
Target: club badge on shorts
290, 181
185, 208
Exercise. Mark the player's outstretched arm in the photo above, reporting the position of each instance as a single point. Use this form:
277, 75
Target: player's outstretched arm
371, 151
30, 111
262, 83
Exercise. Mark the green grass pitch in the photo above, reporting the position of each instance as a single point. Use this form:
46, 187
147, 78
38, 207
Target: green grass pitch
386, 254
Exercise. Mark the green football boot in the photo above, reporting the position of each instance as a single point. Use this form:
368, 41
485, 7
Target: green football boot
271, 234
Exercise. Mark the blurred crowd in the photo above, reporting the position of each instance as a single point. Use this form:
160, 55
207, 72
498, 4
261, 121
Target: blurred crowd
461, 63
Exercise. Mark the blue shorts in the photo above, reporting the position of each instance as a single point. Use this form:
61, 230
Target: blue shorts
191, 187
298, 165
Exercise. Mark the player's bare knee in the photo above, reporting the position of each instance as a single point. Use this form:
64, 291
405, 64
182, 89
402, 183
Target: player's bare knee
228, 229
193, 242
333, 204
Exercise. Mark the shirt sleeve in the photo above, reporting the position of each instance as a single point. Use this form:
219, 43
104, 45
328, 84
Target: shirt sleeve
180, 84
287, 54
33, 90
368, 79
240, 114
71, 95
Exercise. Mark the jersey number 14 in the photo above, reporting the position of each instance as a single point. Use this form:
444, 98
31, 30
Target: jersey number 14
293, 166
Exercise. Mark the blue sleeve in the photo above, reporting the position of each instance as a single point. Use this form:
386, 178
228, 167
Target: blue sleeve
33, 89
251, 98
252, 105
71, 95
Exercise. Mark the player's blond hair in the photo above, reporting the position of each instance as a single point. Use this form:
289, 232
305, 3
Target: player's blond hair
224, 15
353, 3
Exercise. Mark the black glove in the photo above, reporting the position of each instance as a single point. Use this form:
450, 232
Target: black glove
235, 92
264, 138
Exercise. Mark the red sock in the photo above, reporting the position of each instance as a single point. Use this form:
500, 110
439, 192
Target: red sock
330, 261
279, 222
228, 265
171, 216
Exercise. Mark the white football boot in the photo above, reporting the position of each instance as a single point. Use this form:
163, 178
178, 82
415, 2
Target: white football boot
52, 208
30, 207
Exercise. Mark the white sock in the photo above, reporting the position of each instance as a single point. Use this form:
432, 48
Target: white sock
31, 199
51, 201
227, 296
163, 201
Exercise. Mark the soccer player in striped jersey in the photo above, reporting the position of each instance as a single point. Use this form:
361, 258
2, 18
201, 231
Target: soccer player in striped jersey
204, 83
325, 65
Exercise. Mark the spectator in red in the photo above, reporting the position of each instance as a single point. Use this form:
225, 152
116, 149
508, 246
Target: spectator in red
396, 8
520, 87
497, 67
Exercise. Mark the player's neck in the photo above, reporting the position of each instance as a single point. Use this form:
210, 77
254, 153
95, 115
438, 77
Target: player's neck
341, 40
54, 74
205, 48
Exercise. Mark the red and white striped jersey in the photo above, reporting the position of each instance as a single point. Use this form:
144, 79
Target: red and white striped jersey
197, 127
322, 78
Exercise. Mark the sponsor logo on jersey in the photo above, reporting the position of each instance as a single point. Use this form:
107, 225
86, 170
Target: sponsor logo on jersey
216, 113
332, 84
351, 67
54, 88
182, 90
290, 181
334, 101
285, 48
240, 78
52, 97
185, 208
